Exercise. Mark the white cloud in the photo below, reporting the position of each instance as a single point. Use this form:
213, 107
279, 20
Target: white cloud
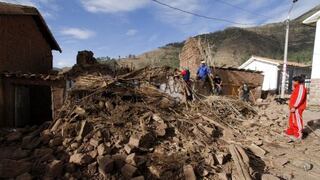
78, 33
23, 2
47, 7
131, 32
113, 6
173, 16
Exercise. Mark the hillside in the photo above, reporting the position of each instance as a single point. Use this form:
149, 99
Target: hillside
233, 46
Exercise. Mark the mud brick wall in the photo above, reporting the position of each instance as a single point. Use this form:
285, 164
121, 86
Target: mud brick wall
22, 46
314, 96
190, 56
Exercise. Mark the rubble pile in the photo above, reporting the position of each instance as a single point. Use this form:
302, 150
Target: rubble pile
126, 128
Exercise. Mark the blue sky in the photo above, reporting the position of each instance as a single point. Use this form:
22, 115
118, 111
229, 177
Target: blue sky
122, 27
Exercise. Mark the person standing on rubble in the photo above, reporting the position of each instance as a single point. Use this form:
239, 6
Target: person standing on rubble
217, 85
203, 71
244, 92
186, 75
298, 103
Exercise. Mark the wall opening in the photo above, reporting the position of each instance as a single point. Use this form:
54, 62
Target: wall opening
32, 105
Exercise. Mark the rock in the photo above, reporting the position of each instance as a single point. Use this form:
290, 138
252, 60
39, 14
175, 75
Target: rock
85, 129
14, 136
161, 129
189, 173
209, 160
92, 168
269, 177
94, 142
128, 148
263, 118
12, 168
222, 158
129, 171
223, 176
119, 160
258, 142
135, 160
302, 164
57, 141
138, 178
203, 173
281, 161
258, 151
93, 154
80, 159
249, 123
155, 171
140, 140
101, 149
25, 176
74, 146
55, 169
80, 111
106, 165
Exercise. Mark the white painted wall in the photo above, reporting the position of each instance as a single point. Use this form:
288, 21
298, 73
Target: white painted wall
270, 72
316, 55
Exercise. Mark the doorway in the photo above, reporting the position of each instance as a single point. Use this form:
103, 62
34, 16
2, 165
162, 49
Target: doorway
32, 105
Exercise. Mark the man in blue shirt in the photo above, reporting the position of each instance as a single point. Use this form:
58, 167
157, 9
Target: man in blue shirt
203, 71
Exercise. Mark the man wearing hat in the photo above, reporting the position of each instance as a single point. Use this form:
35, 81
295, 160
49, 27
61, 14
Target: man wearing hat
203, 71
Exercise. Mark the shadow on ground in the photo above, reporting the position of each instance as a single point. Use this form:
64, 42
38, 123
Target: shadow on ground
311, 126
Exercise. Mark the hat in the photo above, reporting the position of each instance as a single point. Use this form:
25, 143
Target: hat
203, 62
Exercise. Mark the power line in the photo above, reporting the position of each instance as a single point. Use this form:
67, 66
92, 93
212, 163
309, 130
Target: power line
240, 8
199, 15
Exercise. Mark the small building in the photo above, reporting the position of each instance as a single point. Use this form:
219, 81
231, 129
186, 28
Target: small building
26, 85
314, 99
233, 79
272, 70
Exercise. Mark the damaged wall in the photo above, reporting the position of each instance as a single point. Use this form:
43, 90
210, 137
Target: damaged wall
193, 52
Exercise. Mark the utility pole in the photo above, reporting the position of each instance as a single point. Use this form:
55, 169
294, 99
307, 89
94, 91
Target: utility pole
285, 57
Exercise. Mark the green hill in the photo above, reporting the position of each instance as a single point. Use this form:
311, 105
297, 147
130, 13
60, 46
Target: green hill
233, 46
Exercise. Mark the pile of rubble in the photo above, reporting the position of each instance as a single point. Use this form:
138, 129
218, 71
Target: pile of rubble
126, 128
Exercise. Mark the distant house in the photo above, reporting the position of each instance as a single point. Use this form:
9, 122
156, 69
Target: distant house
272, 70
314, 99
26, 86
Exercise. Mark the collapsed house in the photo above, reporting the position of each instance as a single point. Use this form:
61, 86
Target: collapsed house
26, 83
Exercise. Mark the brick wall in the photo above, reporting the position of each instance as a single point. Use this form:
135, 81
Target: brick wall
314, 96
190, 56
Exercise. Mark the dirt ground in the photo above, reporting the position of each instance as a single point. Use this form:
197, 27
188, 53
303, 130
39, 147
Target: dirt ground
297, 160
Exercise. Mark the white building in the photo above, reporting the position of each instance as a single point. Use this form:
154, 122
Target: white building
314, 98
272, 68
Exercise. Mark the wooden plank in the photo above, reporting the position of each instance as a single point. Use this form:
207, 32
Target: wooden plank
241, 161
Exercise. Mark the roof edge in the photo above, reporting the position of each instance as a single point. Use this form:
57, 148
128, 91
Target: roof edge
312, 19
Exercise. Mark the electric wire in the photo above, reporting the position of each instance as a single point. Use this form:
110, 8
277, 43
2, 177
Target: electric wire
199, 15
240, 8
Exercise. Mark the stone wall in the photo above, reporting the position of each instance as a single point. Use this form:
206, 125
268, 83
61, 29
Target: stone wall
314, 96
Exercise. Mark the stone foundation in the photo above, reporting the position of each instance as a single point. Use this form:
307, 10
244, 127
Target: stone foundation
314, 95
